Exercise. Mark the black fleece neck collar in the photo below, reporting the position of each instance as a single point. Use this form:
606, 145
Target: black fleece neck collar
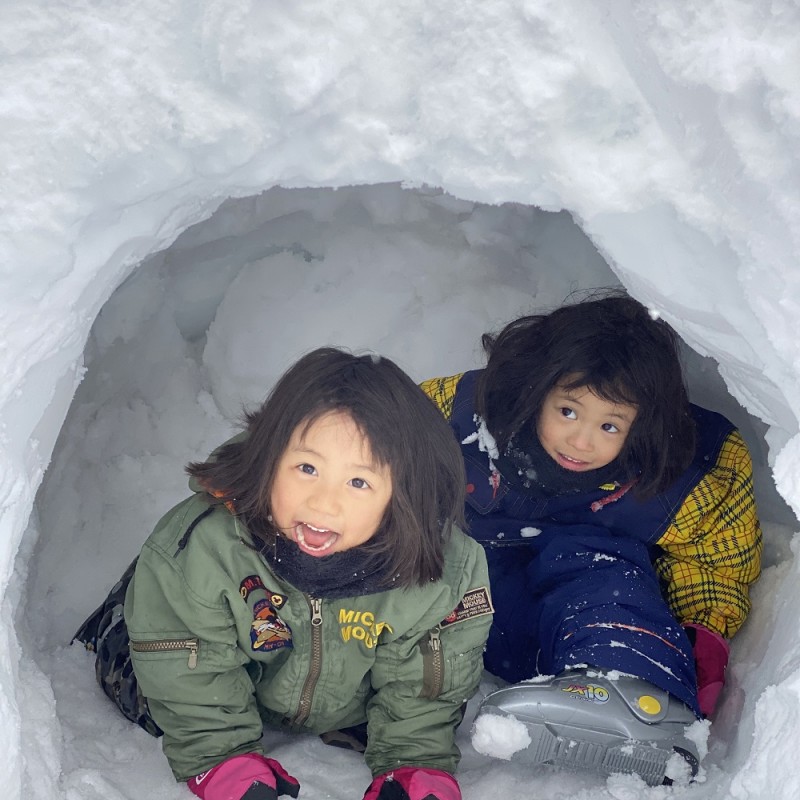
354, 572
526, 465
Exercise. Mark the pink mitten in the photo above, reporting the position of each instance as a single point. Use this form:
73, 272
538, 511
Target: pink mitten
247, 777
414, 783
711, 659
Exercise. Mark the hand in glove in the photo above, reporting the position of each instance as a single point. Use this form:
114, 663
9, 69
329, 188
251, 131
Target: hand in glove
414, 783
711, 659
247, 777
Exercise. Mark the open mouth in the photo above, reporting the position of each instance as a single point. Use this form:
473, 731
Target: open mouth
572, 463
312, 540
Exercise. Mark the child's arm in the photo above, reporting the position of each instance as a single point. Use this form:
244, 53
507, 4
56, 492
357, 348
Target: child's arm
413, 716
712, 550
712, 553
201, 698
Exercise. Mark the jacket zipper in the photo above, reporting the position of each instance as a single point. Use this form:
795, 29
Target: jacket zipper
165, 645
315, 665
432, 665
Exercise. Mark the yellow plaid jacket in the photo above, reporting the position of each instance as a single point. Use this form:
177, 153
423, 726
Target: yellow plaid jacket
711, 551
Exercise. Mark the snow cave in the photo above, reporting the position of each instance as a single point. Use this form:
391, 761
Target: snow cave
227, 188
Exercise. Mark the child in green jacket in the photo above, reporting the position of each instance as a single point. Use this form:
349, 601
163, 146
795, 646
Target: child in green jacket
316, 581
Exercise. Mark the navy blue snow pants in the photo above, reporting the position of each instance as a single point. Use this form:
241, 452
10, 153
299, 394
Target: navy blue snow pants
578, 595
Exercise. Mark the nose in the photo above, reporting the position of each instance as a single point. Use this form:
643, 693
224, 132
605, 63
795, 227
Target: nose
324, 499
580, 437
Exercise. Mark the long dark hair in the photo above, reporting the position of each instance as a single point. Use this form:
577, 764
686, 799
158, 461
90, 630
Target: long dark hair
611, 344
405, 431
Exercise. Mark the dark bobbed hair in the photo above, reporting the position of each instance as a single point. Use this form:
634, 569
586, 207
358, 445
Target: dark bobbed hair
611, 344
405, 431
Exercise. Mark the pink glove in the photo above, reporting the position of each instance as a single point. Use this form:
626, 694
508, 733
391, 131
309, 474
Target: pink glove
247, 777
414, 783
711, 659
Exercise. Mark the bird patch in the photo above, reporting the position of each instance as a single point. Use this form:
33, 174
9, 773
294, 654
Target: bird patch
267, 630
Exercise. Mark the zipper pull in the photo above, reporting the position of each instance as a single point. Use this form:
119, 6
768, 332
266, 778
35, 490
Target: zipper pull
432, 664
192, 645
168, 645
316, 612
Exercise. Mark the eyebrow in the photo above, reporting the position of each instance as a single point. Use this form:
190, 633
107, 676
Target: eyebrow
620, 415
373, 468
573, 399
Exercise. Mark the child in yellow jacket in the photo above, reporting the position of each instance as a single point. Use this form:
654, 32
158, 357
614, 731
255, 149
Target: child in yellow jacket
618, 519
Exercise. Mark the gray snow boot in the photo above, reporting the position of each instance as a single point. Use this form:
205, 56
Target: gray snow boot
584, 719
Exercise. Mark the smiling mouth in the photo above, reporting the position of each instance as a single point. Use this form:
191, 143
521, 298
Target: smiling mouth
572, 463
312, 540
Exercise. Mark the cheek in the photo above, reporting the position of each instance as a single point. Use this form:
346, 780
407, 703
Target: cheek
379, 514
279, 496
619, 446
546, 428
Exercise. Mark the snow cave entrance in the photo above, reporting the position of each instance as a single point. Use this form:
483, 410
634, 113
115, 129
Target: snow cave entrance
206, 326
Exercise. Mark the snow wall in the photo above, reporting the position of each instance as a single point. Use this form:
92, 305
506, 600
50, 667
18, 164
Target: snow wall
670, 137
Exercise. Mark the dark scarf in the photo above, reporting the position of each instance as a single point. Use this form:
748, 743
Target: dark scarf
354, 572
526, 465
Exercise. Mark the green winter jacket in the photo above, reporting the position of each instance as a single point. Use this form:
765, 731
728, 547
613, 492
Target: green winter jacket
222, 646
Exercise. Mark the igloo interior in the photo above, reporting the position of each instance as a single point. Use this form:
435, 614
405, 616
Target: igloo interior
438, 171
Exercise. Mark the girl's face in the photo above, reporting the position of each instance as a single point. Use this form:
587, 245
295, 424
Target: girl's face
580, 431
329, 494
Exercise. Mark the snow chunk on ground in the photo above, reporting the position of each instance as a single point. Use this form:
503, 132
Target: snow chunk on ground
499, 736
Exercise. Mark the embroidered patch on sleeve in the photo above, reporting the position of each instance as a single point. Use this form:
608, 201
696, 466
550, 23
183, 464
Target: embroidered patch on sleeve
475, 603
